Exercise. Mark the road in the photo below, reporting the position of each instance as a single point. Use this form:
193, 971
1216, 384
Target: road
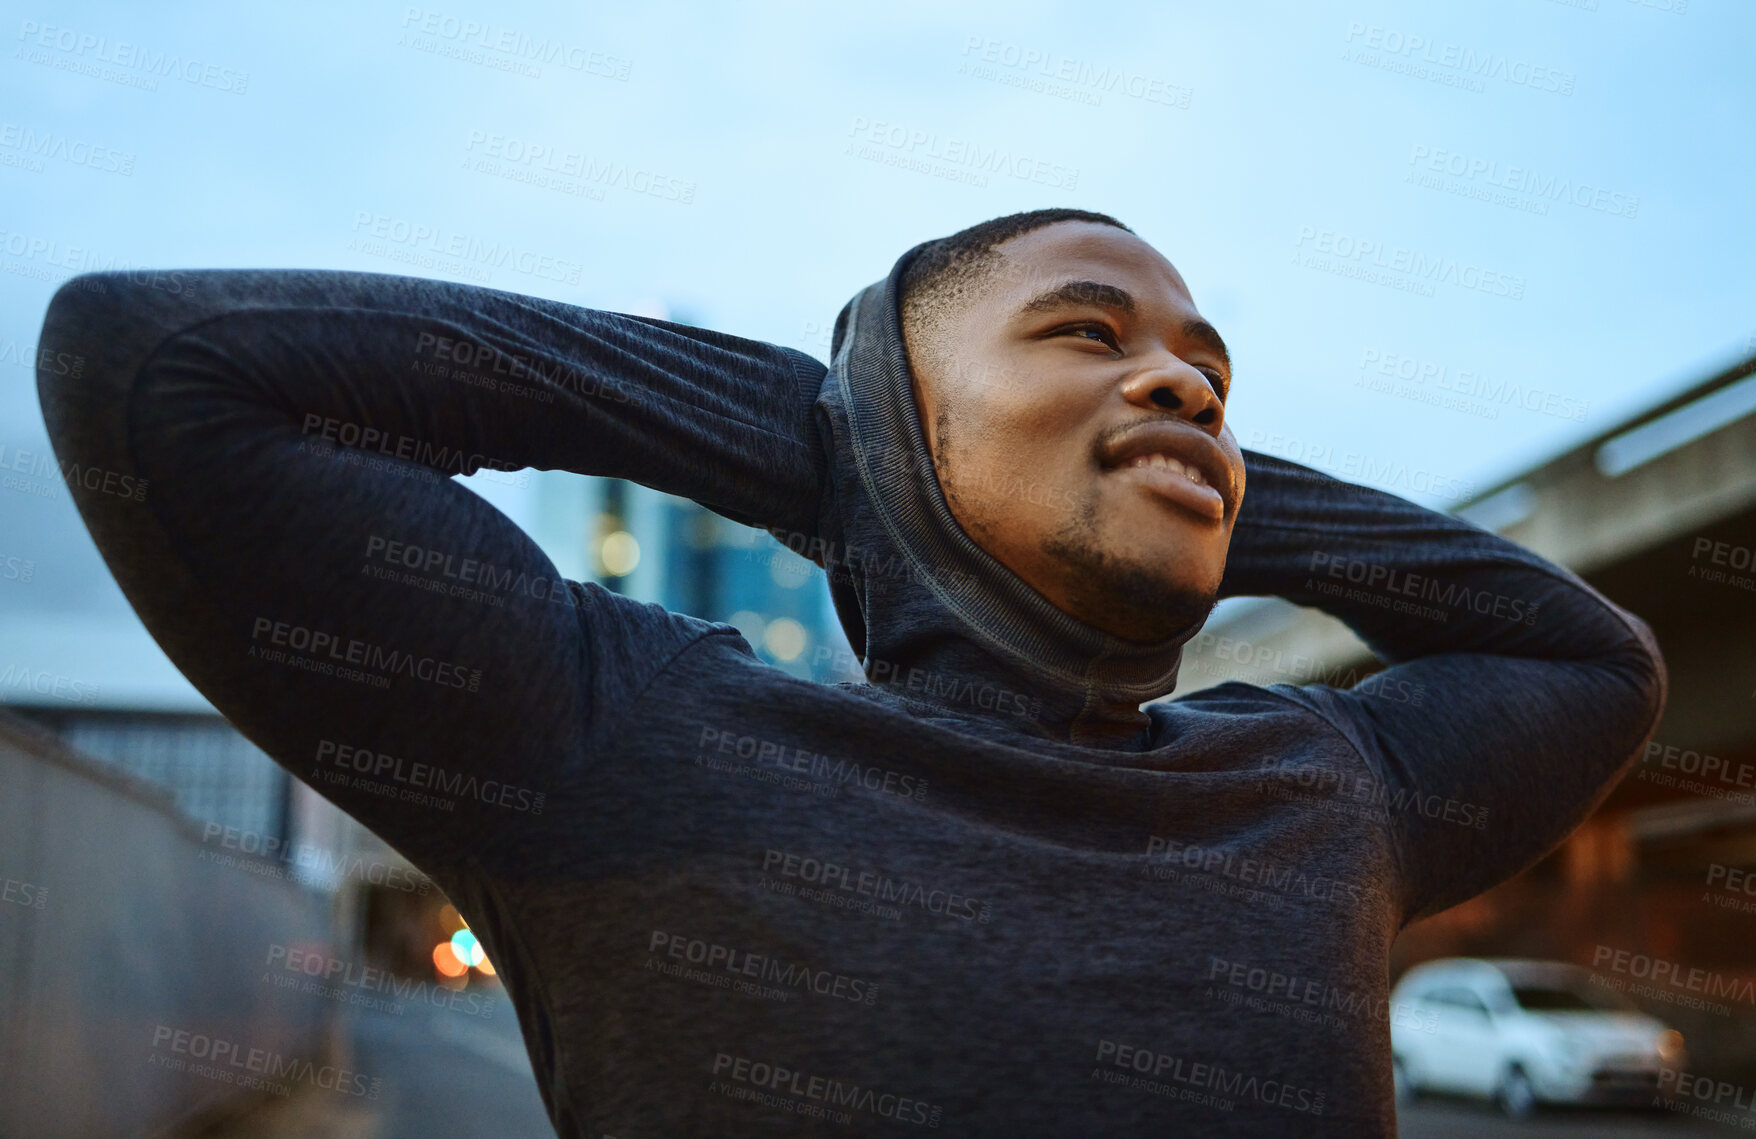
446, 1075
439, 1073
1429, 1118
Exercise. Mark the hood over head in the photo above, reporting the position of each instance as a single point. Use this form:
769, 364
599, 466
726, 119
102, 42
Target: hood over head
935, 617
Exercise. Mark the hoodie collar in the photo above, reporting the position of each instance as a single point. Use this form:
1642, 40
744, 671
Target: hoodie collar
935, 617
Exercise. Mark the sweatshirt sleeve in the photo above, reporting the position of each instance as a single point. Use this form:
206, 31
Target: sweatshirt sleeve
1515, 696
263, 460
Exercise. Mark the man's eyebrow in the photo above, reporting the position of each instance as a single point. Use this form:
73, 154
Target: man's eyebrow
1208, 337
1112, 296
1081, 293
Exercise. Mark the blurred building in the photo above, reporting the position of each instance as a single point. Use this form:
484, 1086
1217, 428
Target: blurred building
213, 773
660, 548
668, 550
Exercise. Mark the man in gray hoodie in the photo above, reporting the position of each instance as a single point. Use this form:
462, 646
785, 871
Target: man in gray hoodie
988, 892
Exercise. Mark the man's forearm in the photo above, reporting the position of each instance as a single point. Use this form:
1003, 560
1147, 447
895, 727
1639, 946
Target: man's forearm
461, 378
1409, 581
1541, 690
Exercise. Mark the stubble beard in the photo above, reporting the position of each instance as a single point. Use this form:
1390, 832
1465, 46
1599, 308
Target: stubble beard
1106, 591
1116, 592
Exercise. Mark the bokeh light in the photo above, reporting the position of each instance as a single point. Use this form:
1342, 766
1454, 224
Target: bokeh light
445, 960
469, 951
785, 638
620, 553
748, 623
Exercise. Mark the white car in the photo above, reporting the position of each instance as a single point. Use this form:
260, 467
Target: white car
1523, 1033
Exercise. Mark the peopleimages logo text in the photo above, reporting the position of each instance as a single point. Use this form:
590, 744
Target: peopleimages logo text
962, 153
778, 1078
465, 247
1466, 61
1413, 263
350, 650
428, 776
144, 63
1390, 579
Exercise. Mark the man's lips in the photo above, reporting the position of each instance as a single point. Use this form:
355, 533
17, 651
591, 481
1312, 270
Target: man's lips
1170, 483
1180, 463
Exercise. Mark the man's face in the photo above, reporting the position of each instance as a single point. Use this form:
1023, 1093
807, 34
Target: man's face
1042, 396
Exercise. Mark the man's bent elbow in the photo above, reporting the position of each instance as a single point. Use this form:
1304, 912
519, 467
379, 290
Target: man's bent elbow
91, 311
99, 329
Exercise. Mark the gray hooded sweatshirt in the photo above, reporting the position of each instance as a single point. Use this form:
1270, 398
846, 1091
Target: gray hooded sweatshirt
985, 893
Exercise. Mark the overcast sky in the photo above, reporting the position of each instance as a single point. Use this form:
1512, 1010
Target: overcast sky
1540, 211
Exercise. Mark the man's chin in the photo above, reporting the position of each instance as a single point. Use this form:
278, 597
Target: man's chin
1148, 616
1130, 600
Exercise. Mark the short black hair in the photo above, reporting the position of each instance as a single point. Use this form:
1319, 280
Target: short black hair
950, 270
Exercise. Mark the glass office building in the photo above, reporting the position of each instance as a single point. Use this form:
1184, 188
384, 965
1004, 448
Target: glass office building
659, 548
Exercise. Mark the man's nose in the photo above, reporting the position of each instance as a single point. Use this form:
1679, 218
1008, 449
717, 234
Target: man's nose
1179, 387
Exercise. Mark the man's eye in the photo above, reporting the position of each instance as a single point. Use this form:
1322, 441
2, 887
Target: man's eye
1100, 332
